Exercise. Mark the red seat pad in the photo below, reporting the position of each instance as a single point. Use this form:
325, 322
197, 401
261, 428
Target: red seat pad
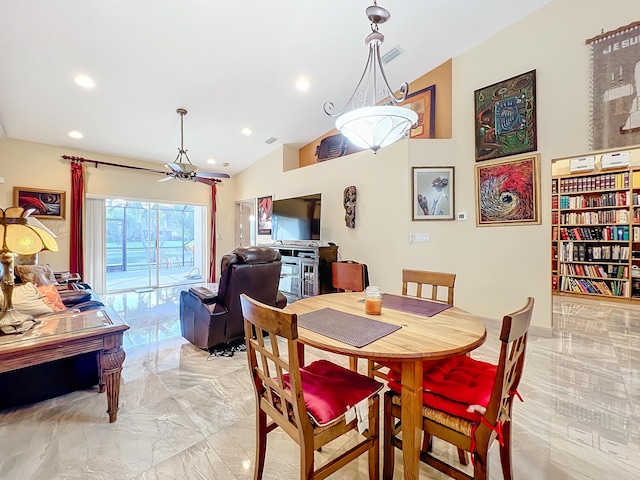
329, 389
455, 384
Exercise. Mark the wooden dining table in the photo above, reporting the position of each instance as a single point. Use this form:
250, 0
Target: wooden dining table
445, 334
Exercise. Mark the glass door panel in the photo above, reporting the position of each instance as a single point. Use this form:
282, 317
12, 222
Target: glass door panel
150, 244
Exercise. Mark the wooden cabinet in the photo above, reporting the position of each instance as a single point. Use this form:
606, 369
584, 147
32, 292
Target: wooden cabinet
306, 270
595, 230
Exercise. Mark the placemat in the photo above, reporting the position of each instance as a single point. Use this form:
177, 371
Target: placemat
351, 329
413, 305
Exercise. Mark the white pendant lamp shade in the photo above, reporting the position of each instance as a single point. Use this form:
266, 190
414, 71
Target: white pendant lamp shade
376, 127
375, 120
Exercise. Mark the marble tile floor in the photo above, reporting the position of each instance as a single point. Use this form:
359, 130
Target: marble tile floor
186, 415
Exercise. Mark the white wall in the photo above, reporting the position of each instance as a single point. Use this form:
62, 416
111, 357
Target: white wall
497, 267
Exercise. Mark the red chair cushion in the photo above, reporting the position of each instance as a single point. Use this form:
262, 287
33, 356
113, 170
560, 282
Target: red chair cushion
456, 385
329, 389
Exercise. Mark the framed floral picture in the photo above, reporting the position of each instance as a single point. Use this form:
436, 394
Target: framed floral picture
48, 204
508, 192
432, 193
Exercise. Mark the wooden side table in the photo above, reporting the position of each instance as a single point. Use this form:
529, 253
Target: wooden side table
66, 335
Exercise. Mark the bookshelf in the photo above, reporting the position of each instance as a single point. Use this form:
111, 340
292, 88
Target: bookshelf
595, 229
555, 234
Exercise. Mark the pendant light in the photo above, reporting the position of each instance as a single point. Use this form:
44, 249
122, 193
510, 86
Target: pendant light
375, 119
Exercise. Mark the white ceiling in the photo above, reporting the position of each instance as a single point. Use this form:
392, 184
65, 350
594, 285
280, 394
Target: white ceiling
231, 64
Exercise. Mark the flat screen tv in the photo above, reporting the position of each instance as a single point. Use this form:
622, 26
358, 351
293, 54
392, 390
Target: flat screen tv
296, 218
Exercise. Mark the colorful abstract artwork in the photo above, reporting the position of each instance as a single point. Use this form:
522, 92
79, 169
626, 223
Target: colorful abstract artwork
505, 117
508, 192
423, 102
265, 209
49, 204
615, 88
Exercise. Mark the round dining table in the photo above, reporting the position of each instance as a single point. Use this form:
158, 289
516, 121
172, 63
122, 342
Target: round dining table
450, 332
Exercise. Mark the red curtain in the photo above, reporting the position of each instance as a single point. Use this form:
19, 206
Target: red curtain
212, 253
76, 263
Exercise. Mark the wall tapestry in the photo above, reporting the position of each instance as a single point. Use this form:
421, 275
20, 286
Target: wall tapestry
432, 193
265, 208
505, 117
615, 80
508, 192
423, 102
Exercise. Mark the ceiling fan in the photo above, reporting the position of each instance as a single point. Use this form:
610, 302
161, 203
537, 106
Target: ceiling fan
185, 170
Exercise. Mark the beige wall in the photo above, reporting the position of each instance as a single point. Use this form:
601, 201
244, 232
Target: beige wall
36, 165
497, 267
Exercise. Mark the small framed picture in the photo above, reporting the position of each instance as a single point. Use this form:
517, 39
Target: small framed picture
49, 204
265, 208
432, 194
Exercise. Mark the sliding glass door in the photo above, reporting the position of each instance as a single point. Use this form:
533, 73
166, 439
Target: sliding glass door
149, 244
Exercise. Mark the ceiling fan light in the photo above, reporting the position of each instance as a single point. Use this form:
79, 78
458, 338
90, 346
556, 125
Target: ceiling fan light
376, 127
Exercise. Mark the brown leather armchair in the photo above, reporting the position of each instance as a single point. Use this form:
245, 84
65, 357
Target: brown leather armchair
212, 318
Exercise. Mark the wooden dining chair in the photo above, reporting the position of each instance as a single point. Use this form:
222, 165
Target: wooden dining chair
308, 403
421, 278
349, 276
433, 279
469, 403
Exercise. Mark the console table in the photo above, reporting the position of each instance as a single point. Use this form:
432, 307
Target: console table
67, 335
306, 270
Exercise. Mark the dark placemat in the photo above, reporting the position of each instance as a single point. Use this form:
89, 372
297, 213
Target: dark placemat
426, 308
351, 329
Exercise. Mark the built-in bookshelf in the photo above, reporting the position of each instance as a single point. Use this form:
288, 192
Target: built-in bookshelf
555, 234
595, 230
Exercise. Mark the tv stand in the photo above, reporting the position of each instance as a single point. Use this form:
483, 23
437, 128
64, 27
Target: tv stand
306, 270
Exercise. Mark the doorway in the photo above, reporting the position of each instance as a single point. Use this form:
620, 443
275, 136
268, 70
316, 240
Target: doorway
245, 223
150, 244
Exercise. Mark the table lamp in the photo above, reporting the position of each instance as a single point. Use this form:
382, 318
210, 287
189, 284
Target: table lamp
18, 237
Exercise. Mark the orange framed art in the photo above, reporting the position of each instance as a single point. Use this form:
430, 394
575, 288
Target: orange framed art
423, 102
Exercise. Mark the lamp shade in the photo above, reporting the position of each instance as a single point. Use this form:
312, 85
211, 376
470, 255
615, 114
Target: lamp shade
376, 127
17, 236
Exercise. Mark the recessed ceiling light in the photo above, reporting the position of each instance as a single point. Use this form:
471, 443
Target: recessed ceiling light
84, 81
246, 131
211, 161
302, 84
75, 134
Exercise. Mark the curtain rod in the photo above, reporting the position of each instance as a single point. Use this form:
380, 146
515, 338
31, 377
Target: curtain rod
206, 181
100, 162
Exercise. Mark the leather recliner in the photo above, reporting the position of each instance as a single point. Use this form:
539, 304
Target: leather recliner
212, 319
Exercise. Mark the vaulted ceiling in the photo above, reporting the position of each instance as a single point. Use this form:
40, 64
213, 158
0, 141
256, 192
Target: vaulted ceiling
231, 64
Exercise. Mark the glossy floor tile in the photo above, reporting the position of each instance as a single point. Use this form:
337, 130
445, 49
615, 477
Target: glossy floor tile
187, 415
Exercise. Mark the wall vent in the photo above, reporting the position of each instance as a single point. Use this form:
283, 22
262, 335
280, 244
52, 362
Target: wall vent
391, 54
270, 140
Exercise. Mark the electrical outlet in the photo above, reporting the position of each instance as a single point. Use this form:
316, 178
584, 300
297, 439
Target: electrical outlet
462, 215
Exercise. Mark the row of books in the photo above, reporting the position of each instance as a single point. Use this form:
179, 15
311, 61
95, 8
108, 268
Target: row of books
606, 181
610, 199
616, 288
600, 271
596, 233
554, 217
554, 203
602, 216
579, 252
636, 234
